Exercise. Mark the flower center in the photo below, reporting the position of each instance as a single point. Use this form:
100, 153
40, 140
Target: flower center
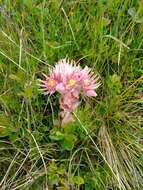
72, 82
51, 82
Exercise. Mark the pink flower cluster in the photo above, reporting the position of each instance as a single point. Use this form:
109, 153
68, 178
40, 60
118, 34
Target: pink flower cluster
69, 80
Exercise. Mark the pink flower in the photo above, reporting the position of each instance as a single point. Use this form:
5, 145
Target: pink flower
69, 80
69, 101
89, 82
69, 73
63, 77
49, 85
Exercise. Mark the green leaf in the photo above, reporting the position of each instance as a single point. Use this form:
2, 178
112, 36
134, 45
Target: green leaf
78, 180
69, 129
57, 136
54, 179
68, 142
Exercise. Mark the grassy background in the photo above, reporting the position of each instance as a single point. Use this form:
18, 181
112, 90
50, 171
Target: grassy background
103, 149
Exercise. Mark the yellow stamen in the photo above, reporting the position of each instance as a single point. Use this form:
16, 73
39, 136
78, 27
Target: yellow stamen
51, 82
72, 82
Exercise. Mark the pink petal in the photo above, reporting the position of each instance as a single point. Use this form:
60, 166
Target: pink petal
60, 87
90, 93
75, 94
